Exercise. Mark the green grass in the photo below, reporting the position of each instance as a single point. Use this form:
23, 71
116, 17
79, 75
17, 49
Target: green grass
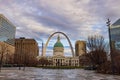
60, 67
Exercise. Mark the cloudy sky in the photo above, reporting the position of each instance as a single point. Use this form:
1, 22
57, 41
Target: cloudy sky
76, 18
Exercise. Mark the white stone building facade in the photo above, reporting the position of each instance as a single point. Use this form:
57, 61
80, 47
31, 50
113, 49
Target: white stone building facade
58, 57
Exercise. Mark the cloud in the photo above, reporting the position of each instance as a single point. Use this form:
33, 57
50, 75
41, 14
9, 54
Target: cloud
77, 18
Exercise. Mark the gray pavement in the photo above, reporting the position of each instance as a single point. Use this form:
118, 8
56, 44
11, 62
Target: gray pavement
53, 74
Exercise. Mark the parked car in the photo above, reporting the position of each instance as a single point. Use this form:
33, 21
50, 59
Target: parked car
90, 68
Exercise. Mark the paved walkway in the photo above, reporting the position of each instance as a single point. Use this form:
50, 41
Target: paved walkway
53, 74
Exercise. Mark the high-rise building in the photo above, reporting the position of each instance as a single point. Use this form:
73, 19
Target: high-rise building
26, 51
7, 38
80, 48
115, 34
7, 30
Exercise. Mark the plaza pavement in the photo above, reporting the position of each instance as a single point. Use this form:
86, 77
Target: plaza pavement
32, 73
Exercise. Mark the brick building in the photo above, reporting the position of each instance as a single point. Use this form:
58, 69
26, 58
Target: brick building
26, 51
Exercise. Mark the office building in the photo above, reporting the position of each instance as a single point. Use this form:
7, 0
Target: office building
7, 38
115, 35
7, 30
26, 51
80, 48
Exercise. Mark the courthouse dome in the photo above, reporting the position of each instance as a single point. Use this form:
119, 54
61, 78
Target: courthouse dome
58, 43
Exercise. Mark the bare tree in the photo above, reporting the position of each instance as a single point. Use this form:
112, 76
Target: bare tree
43, 61
3, 51
97, 53
96, 42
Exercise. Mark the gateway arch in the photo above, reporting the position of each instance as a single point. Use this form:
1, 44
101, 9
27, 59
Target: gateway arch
44, 49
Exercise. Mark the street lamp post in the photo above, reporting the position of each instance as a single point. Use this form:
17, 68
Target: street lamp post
111, 50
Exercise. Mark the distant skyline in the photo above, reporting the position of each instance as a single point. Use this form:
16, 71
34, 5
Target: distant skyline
77, 18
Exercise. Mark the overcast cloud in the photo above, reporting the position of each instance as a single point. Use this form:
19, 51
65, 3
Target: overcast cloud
77, 18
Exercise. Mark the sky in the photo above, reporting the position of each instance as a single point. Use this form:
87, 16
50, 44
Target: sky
78, 19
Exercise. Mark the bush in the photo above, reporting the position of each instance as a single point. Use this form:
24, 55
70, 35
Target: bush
60, 67
7, 65
105, 68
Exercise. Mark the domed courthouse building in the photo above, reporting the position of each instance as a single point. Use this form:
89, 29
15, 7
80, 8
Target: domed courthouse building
58, 57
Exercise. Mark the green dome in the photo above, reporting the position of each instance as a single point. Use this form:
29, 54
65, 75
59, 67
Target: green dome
58, 43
